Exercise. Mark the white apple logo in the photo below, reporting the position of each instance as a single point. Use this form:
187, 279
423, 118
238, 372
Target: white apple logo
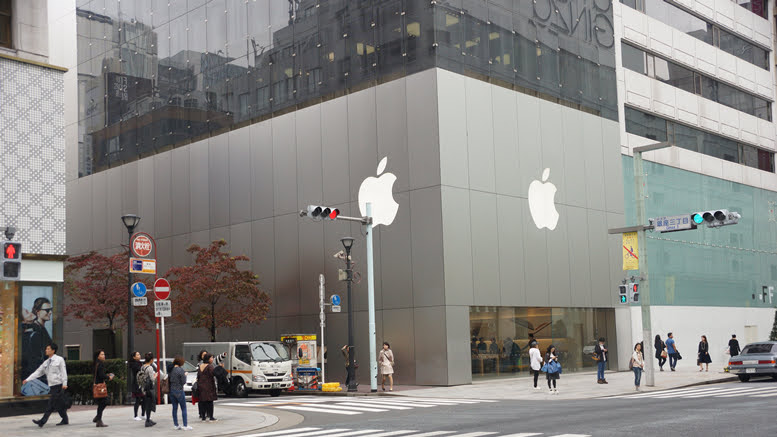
377, 191
542, 202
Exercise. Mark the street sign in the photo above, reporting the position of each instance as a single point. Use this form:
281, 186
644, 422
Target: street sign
142, 245
335, 299
139, 289
162, 308
336, 308
139, 301
161, 288
673, 223
138, 265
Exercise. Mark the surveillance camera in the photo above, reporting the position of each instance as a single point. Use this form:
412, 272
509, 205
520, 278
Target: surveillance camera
339, 255
10, 231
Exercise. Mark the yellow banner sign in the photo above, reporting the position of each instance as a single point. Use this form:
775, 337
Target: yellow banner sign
630, 251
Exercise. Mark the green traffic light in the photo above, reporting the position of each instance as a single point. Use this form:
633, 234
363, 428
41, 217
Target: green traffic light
623, 299
698, 219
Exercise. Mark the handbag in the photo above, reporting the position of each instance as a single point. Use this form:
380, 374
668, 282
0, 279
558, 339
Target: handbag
99, 391
165, 386
594, 357
631, 363
544, 368
663, 354
554, 367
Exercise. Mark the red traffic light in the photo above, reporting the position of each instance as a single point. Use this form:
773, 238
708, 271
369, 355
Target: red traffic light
333, 214
12, 250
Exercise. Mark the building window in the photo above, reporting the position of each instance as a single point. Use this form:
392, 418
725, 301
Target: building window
73, 352
758, 7
5, 23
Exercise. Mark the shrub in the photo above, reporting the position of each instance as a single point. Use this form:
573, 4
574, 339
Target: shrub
80, 388
86, 367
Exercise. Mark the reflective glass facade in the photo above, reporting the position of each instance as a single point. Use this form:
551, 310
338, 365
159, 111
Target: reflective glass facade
155, 74
500, 337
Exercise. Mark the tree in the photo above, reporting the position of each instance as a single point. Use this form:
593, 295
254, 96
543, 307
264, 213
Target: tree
97, 287
773, 335
215, 293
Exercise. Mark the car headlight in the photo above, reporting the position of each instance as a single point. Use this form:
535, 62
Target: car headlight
259, 378
287, 378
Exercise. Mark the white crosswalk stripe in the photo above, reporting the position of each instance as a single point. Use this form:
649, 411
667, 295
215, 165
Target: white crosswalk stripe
354, 405
706, 392
345, 432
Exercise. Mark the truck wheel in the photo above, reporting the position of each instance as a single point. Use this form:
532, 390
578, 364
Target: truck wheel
744, 378
239, 389
774, 376
275, 393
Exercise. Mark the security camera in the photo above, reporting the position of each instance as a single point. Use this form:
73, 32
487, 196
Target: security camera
339, 255
10, 231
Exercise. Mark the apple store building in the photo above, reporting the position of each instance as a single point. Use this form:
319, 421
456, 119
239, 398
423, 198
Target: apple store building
485, 135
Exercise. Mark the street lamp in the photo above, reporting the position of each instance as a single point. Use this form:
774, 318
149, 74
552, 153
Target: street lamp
130, 222
347, 244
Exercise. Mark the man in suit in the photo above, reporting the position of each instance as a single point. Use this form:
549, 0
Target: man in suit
601, 353
733, 346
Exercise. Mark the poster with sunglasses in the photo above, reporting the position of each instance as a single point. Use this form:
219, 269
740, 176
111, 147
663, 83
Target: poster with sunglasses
37, 319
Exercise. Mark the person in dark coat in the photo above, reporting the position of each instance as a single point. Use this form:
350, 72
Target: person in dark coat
733, 346
206, 383
200, 406
150, 391
100, 377
704, 354
601, 363
552, 355
137, 394
660, 354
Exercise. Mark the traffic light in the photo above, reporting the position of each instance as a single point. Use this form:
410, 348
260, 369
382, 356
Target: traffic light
716, 218
323, 212
12, 261
634, 292
623, 294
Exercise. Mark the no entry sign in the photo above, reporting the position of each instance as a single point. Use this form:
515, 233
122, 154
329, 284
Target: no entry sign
161, 289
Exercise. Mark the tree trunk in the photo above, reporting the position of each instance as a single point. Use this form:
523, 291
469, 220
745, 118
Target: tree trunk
212, 321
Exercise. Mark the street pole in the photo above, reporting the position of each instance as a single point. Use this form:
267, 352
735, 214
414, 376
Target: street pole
130, 319
322, 318
352, 385
371, 304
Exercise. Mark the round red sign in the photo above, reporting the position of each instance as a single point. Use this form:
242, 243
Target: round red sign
142, 246
161, 288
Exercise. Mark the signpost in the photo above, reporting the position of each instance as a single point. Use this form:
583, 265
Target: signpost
140, 265
335, 299
142, 245
336, 308
673, 223
162, 309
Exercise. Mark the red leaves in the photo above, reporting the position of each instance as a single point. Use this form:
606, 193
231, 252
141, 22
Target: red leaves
214, 292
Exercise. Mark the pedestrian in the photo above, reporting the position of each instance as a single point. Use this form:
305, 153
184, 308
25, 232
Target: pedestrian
100, 377
660, 347
147, 380
550, 357
200, 406
386, 361
535, 362
206, 381
346, 350
637, 364
733, 346
56, 376
137, 393
672, 351
177, 397
601, 361
704, 354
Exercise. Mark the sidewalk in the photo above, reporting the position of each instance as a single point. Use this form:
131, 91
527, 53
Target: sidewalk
571, 386
120, 423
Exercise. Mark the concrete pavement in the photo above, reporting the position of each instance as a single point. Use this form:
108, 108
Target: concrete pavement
120, 423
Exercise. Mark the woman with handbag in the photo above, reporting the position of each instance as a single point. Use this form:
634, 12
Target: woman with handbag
661, 354
704, 354
206, 384
637, 364
100, 388
386, 361
552, 368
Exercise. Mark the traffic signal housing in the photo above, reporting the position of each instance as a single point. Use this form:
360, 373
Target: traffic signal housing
323, 212
715, 218
634, 292
12, 261
623, 294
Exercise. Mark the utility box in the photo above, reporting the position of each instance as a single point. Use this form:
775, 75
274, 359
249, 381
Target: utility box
303, 350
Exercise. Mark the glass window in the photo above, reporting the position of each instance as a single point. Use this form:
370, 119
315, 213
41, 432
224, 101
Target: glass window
685, 137
633, 58
645, 125
5, 23
720, 147
243, 353
674, 75
758, 348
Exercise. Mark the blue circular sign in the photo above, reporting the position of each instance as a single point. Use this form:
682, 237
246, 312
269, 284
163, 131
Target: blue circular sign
335, 299
139, 289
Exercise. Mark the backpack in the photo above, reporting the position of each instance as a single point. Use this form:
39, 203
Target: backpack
144, 382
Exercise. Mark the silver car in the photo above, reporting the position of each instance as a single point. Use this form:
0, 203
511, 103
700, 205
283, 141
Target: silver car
756, 359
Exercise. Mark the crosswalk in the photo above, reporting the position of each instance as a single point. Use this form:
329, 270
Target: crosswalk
718, 391
343, 432
353, 405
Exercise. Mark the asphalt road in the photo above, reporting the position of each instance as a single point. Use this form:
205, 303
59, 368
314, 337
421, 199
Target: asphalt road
721, 409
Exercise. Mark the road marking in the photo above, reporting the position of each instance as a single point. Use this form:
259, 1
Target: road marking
721, 391
349, 433
749, 392
474, 434
572, 435
523, 434
316, 410
300, 433
430, 434
282, 432
391, 433
765, 395
374, 404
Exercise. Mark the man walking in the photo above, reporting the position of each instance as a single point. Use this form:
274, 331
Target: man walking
671, 349
56, 374
733, 346
601, 362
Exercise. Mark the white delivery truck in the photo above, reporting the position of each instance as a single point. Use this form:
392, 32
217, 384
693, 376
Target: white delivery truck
260, 366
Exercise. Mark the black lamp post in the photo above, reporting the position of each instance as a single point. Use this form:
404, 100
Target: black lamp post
352, 384
130, 222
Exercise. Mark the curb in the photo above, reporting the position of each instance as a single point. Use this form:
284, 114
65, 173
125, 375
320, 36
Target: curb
694, 384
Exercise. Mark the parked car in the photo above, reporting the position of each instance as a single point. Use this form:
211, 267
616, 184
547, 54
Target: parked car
756, 359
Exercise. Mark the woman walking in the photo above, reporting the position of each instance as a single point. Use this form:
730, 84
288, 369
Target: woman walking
704, 354
100, 377
550, 356
147, 385
137, 393
637, 364
206, 382
386, 361
661, 354
177, 397
535, 361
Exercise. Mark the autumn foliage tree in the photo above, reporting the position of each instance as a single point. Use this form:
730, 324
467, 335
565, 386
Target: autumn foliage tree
214, 293
96, 286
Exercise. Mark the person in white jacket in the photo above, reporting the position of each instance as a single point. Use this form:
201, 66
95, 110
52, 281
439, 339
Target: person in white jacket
637, 364
535, 360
